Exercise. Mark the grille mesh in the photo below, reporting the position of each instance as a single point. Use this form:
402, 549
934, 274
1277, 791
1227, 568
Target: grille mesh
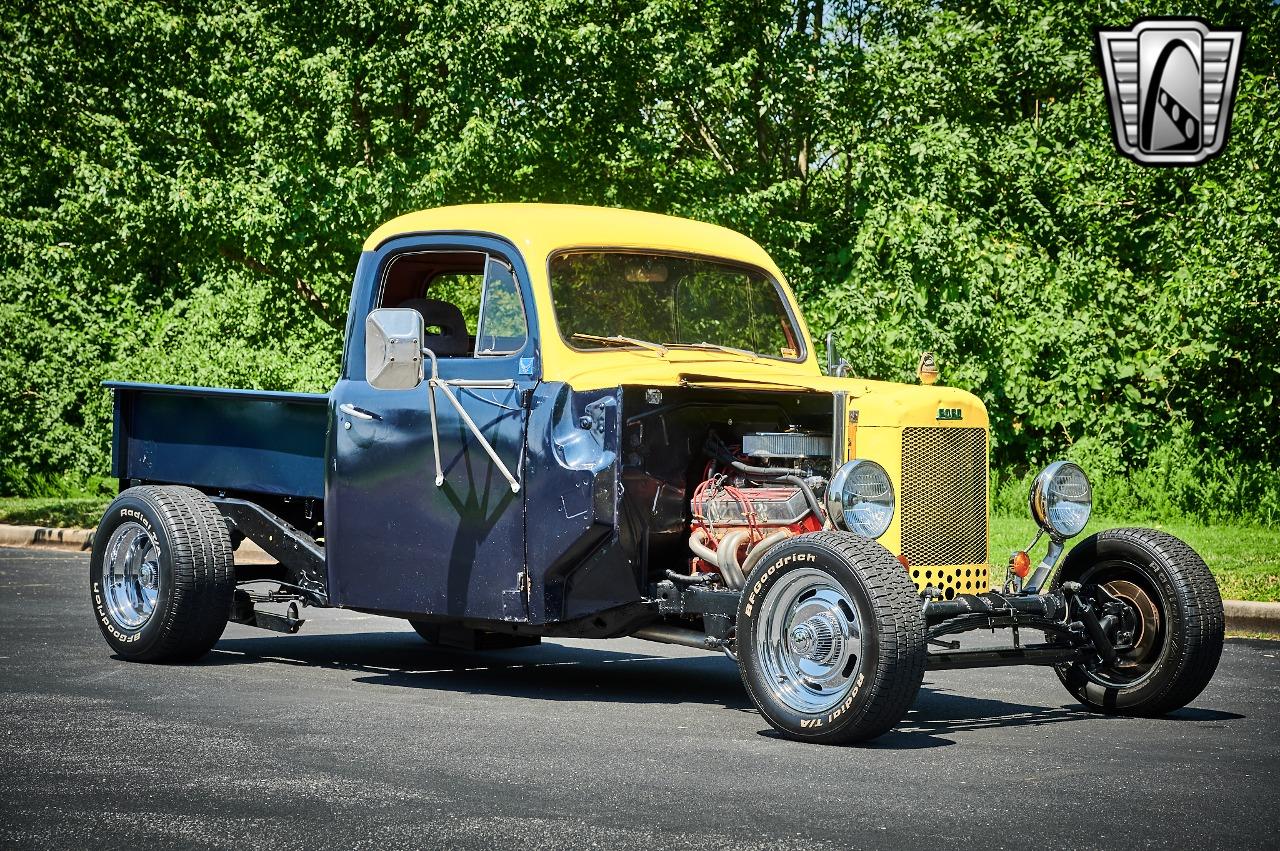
944, 496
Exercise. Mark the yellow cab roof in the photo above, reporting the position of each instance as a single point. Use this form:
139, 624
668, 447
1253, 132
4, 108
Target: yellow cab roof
539, 230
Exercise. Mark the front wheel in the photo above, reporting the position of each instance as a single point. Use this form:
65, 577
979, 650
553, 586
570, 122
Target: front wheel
1168, 656
830, 638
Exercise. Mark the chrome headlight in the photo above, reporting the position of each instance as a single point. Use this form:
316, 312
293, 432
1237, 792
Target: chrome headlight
860, 498
1062, 499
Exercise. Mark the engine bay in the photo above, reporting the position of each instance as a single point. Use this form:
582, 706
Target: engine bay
753, 496
720, 481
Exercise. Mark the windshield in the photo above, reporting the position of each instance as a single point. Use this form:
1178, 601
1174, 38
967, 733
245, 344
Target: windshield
604, 299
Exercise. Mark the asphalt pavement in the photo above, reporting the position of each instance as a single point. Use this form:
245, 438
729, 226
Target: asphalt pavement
355, 734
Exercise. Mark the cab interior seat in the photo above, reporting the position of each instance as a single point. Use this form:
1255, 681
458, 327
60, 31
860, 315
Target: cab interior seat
407, 284
445, 328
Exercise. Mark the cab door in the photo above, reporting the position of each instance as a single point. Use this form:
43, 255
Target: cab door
396, 541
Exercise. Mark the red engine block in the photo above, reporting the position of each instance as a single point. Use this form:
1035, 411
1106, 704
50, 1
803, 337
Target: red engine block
758, 511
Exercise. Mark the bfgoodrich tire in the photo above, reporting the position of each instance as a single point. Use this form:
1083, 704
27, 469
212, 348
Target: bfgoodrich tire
1179, 617
830, 638
161, 577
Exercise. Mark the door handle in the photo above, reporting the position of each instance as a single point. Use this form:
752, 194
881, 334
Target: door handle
359, 413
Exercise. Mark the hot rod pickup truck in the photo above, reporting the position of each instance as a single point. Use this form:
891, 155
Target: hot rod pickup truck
595, 423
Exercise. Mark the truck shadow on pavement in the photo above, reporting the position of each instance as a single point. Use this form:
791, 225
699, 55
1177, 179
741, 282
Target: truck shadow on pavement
545, 672
938, 712
556, 672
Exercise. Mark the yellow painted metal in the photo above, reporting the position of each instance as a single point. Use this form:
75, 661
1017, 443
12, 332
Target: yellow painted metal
953, 579
879, 438
540, 230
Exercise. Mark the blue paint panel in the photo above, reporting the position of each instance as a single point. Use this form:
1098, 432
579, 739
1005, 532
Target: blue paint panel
399, 543
581, 558
217, 439
396, 542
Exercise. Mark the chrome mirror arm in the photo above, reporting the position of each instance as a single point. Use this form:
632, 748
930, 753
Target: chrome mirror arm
431, 403
434, 383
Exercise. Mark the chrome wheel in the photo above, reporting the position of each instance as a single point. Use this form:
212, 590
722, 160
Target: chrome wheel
131, 575
810, 644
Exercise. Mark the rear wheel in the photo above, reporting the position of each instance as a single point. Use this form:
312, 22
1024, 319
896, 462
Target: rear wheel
1169, 652
161, 577
830, 638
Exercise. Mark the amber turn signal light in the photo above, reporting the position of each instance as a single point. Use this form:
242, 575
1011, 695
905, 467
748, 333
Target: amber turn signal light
1020, 564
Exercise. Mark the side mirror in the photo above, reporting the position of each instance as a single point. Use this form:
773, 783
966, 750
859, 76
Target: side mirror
393, 348
836, 366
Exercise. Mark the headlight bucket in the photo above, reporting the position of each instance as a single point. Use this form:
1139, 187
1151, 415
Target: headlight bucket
1061, 500
859, 498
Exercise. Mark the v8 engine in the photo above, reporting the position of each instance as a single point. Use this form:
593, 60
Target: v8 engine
754, 496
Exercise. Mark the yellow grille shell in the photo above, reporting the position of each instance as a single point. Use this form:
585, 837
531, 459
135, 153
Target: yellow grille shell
943, 499
953, 579
886, 446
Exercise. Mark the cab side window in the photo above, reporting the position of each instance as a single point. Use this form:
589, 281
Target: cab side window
461, 290
501, 328
469, 301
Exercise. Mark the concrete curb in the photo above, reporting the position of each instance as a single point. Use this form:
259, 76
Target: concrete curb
1242, 616
80, 540
1246, 616
45, 536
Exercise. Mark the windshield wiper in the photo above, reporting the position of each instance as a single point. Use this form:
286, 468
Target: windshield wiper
715, 347
619, 340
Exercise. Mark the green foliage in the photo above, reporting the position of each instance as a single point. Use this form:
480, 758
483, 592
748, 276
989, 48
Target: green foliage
462, 291
56, 512
186, 187
1244, 559
1081, 295
1178, 481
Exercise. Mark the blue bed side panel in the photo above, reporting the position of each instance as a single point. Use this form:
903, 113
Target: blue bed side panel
215, 439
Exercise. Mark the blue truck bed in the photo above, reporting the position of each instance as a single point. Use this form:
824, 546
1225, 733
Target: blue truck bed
256, 441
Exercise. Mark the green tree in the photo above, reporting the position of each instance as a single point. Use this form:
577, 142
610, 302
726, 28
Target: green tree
186, 187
